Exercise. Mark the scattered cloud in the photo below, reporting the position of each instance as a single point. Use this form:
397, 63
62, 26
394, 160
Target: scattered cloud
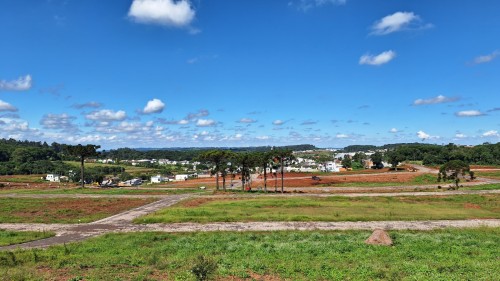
278, 122
460, 136
53, 90
59, 122
200, 113
22, 83
397, 22
309, 122
205, 123
91, 104
106, 115
341, 136
469, 113
153, 106
246, 120
393, 130
494, 109
491, 133
262, 137
436, 100
4, 106
424, 136
379, 59
162, 12
306, 5
486, 58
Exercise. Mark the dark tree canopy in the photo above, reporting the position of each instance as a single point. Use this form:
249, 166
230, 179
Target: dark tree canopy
82, 152
453, 170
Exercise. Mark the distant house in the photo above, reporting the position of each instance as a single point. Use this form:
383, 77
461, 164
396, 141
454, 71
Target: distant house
53, 178
158, 179
181, 177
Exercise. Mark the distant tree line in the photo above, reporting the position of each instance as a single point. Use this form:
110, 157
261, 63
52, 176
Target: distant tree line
485, 154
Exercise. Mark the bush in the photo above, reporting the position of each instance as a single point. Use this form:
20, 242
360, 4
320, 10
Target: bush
203, 268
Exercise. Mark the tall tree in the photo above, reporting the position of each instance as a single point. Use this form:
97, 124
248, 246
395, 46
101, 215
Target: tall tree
284, 156
218, 159
395, 157
82, 152
245, 161
264, 160
347, 162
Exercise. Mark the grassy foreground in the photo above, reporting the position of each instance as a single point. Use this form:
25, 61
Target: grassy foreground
63, 210
328, 209
17, 237
451, 254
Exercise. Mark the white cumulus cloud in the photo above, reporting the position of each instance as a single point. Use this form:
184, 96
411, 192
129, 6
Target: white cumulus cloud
278, 122
22, 83
424, 136
205, 123
342, 136
393, 130
154, 106
435, 100
397, 22
4, 106
106, 115
379, 59
162, 12
491, 133
247, 120
460, 136
469, 113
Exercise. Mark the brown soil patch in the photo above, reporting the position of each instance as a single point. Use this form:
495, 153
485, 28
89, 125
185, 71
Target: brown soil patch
471, 206
332, 180
72, 209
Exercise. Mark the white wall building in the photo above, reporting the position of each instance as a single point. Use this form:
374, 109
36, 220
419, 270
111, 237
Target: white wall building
53, 178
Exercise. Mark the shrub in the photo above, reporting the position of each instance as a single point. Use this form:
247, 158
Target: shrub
203, 268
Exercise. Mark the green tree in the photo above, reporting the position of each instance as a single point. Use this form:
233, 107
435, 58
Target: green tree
377, 159
347, 162
82, 152
284, 156
264, 160
218, 159
395, 157
453, 170
245, 162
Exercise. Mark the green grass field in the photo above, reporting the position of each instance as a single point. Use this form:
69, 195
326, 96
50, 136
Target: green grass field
63, 210
450, 254
17, 237
488, 174
304, 208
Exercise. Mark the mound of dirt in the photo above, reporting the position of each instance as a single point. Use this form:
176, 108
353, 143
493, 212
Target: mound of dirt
379, 237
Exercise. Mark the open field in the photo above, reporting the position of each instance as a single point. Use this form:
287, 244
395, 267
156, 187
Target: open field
450, 254
488, 174
103, 191
17, 237
128, 168
67, 210
232, 209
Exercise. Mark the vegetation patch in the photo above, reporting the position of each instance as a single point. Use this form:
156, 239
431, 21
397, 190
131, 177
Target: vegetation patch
328, 209
488, 174
8, 237
450, 254
74, 210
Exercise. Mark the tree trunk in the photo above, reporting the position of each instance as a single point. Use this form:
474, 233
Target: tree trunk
265, 178
217, 180
82, 174
282, 171
224, 182
242, 182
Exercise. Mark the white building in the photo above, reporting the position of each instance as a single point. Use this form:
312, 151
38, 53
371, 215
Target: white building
158, 179
181, 177
53, 178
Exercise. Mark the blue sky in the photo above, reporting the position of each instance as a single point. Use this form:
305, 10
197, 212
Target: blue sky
165, 73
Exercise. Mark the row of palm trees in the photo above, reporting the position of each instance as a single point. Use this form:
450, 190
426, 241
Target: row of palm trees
224, 163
